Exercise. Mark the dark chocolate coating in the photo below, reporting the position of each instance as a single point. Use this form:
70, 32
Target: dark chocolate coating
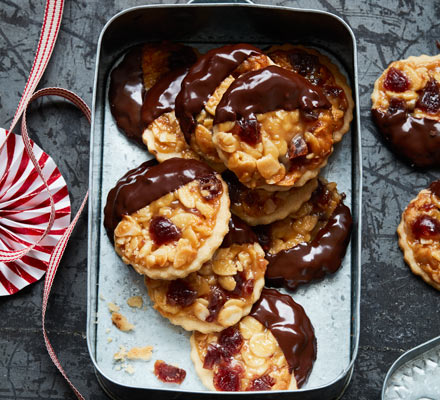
146, 183
161, 98
126, 92
312, 260
204, 77
268, 89
434, 187
292, 329
239, 233
415, 139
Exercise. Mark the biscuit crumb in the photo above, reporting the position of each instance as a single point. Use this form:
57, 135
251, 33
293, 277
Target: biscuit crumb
135, 301
140, 353
121, 354
112, 307
129, 369
121, 322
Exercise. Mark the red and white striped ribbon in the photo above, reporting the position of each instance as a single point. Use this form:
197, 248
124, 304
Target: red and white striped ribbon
21, 249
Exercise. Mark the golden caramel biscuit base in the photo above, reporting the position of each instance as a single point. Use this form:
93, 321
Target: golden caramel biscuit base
259, 356
303, 224
418, 71
332, 78
165, 140
271, 163
202, 224
238, 264
201, 139
422, 251
262, 207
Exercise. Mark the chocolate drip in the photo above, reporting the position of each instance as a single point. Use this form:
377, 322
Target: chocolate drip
161, 98
126, 92
146, 183
268, 89
239, 233
415, 139
434, 187
291, 328
307, 261
204, 77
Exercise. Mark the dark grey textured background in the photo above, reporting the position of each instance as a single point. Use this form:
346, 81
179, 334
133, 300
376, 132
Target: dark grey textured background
399, 311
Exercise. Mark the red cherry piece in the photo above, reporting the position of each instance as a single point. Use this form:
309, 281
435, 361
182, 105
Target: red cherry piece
230, 341
162, 231
213, 356
248, 130
216, 300
297, 148
179, 293
227, 377
396, 81
426, 227
264, 382
429, 97
210, 187
396, 105
332, 91
168, 373
306, 65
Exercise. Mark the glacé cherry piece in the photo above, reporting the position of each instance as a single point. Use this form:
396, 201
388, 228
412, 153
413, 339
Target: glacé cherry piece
247, 130
396, 105
214, 355
333, 91
210, 187
243, 287
297, 148
168, 373
264, 382
426, 227
429, 97
306, 65
216, 300
179, 293
230, 340
434, 187
396, 81
227, 377
162, 231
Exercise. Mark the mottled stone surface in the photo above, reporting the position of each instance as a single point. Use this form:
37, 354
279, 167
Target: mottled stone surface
399, 310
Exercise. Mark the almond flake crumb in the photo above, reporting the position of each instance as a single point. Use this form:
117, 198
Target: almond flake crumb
107, 330
112, 307
101, 297
135, 301
109, 340
140, 353
121, 354
129, 369
121, 322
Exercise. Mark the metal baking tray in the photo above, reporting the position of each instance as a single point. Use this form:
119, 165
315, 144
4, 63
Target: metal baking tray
415, 375
332, 304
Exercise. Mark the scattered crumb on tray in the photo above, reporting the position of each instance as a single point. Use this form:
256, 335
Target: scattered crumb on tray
129, 369
109, 340
107, 330
121, 322
101, 297
140, 353
121, 354
112, 307
135, 301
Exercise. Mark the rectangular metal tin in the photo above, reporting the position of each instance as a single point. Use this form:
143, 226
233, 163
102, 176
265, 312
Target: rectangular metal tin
111, 155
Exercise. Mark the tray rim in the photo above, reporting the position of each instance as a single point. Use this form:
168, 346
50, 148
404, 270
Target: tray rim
355, 335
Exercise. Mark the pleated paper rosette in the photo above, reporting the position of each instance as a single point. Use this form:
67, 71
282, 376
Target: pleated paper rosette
25, 211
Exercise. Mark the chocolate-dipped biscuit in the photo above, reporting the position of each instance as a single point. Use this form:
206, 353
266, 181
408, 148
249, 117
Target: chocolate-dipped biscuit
319, 71
273, 129
310, 243
222, 291
203, 88
406, 109
136, 74
419, 235
273, 348
168, 219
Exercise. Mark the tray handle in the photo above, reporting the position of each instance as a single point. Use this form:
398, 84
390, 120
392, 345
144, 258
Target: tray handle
220, 2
